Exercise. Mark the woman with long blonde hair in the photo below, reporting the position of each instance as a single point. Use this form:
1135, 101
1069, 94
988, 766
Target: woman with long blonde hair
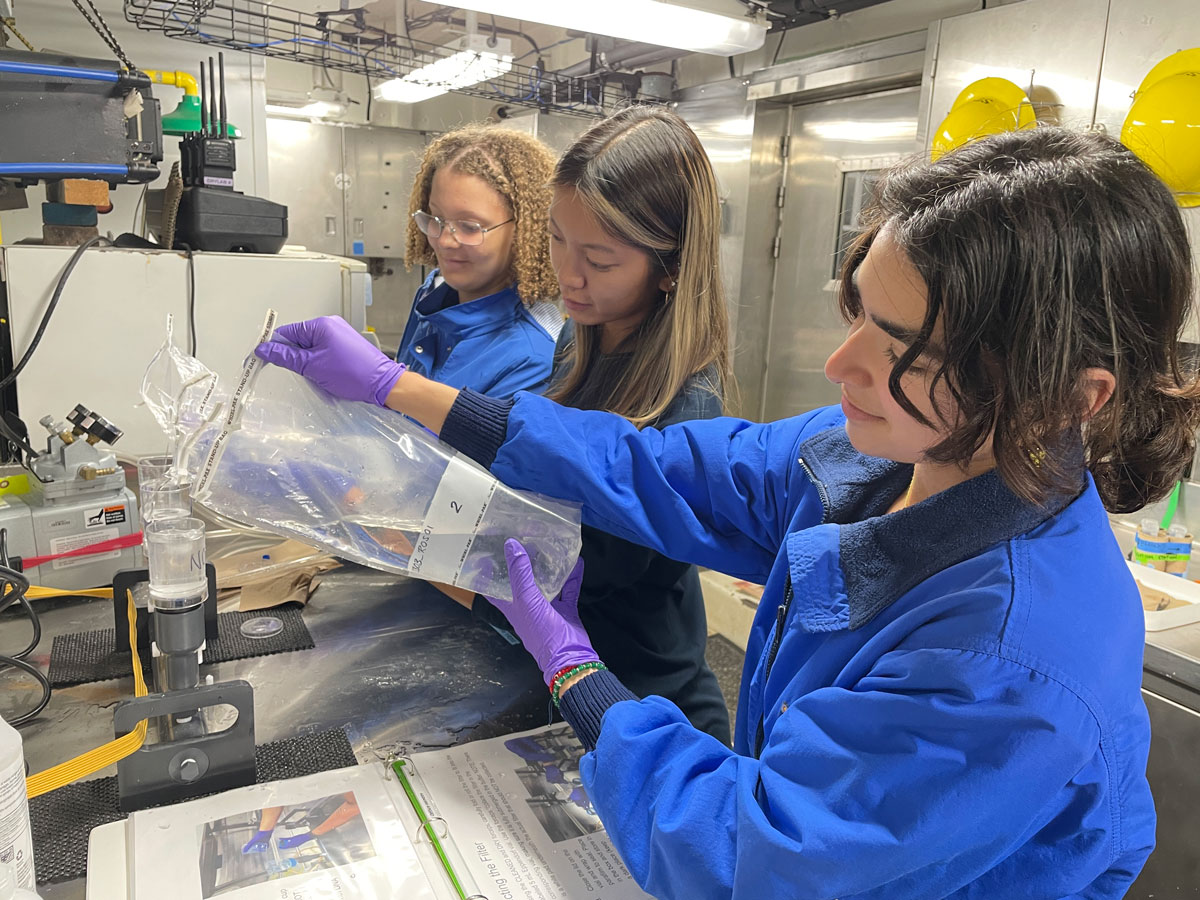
634, 238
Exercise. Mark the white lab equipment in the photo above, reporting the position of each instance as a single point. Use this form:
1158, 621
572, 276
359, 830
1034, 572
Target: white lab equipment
109, 319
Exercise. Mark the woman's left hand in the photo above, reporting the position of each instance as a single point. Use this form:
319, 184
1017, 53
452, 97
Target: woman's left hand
550, 630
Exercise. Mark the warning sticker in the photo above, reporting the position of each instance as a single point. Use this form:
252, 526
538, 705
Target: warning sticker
100, 516
76, 541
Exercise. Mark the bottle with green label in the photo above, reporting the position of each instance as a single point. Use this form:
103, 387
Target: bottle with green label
1166, 549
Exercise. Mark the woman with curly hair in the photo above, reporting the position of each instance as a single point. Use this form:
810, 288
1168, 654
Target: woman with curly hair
483, 319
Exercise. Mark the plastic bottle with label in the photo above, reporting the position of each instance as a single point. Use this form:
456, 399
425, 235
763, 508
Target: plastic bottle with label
16, 841
9, 889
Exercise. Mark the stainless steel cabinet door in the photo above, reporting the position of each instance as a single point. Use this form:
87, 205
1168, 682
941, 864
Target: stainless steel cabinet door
306, 174
381, 165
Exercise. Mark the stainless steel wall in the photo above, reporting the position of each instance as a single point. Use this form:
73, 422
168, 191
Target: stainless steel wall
1052, 47
346, 188
723, 119
830, 142
1079, 59
781, 174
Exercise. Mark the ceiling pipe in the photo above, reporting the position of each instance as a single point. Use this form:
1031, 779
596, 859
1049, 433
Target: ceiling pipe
620, 55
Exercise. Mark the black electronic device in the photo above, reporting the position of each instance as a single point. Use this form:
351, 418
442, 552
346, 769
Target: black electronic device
212, 215
73, 117
208, 157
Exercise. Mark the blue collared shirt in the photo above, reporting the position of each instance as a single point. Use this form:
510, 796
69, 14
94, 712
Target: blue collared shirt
495, 345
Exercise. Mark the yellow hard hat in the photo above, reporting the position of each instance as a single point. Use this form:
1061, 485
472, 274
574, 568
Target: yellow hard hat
1176, 64
975, 119
1002, 91
1163, 129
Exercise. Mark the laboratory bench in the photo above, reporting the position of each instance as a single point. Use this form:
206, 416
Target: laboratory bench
397, 665
401, 668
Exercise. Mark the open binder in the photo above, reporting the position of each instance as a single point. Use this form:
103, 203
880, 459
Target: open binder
502, 819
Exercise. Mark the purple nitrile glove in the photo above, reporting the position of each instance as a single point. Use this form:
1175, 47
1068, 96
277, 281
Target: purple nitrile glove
295, 840
550, 630
332, 355
257, 844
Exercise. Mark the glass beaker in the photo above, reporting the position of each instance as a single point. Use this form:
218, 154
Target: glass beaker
176, 554
162, 493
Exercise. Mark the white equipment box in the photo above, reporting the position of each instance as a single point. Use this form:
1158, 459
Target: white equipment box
112, 316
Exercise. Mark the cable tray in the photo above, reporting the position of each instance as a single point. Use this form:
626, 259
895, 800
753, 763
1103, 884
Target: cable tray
341, 39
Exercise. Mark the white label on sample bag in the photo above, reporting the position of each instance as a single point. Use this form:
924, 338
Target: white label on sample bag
237, 404
16, 843
77, 541
451, 522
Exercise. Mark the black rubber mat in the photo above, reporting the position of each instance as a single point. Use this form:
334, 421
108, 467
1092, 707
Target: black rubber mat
89, 655
63, 819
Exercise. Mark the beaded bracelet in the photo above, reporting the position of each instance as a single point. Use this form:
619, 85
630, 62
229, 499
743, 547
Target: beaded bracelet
564, 677
557, 675
560, 676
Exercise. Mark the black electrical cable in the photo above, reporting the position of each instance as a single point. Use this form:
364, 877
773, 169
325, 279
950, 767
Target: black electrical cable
367, 73
54, 298
16, 445
13, 586
191, 258
101, 28
13, 438
779, 46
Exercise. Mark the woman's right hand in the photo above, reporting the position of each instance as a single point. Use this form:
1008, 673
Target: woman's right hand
332, 355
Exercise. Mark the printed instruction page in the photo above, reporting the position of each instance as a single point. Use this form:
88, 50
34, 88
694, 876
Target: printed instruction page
522, 820
331, 836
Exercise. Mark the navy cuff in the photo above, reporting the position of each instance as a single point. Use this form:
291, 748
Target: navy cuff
587, 700
477, 425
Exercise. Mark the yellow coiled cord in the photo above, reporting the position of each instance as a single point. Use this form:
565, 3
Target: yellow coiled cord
110, 753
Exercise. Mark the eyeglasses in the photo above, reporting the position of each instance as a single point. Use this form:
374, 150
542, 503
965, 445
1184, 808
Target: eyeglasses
469, 234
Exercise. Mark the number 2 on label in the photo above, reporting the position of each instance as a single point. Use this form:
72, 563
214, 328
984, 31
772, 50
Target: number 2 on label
456, 506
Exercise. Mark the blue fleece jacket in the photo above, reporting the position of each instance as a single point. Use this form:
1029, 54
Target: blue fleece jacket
939, 702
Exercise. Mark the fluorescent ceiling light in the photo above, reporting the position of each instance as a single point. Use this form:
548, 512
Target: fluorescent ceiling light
475, 58
722, 27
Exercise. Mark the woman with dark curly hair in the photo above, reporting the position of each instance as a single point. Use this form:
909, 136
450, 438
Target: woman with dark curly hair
483, 319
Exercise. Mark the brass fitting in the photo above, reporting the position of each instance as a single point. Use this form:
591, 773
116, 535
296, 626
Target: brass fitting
91, 473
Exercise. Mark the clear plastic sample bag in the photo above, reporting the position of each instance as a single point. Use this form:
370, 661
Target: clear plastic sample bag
361, 482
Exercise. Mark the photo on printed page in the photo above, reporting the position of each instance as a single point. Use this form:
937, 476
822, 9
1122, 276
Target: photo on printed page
281, 841
551, 776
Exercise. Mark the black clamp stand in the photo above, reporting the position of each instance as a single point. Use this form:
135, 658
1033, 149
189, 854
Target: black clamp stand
180, 758
192, 763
